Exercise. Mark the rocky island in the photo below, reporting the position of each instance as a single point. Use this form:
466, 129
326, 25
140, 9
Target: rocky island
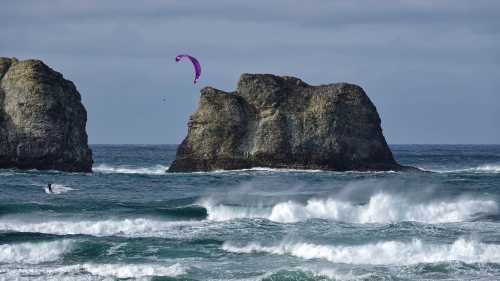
282, 122
42, 119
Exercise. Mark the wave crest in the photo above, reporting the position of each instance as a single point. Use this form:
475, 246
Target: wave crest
127, 227
488, 168
108, 169
381, 208
34, 253
134, 270
219, 212
483, 169
388, 252
91, 271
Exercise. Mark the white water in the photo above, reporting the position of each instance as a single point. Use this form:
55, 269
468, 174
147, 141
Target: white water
334, 274
133, 270
113, 227
271, 170
389, 252
33, 253
58, 189
90, 271
108, 169
218, 212
381, 208
267, 170
487, 168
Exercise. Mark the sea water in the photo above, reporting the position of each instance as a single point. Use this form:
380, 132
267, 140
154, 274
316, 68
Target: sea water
130, 220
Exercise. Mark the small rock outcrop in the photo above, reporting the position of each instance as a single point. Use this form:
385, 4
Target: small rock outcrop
42, 119
282, 122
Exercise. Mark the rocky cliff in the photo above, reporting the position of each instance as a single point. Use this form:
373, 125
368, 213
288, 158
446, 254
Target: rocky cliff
42, 119
282, 122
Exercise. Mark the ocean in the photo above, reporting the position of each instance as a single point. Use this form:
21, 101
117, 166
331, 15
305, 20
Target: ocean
130, 220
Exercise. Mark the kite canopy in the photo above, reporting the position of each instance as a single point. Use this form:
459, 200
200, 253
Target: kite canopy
195, 62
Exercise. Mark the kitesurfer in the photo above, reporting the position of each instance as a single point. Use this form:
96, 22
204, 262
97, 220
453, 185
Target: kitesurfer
196, 65
49, 187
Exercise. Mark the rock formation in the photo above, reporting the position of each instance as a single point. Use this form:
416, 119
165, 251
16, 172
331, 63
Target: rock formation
282, 122
42, 119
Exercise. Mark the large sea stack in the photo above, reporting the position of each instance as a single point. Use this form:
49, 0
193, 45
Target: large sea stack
282, 122
42, 119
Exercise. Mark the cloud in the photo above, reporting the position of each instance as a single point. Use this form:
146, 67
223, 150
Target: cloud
320, 12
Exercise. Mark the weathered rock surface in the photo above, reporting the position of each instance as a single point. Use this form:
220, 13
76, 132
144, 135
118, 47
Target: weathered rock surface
282, 122
42, 119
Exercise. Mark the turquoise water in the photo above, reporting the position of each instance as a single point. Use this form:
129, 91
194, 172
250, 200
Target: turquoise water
129, 220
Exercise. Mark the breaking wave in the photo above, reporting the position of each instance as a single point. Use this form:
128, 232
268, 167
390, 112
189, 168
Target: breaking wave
133, 270
34, 253
381, 208
488, 168
389, 252
220, 212
270, 170
92, 271
107, 169
139, 227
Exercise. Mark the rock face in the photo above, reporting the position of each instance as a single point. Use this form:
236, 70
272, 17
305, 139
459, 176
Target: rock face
282, 122
42, 119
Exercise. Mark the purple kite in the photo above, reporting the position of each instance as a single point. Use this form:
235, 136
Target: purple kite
196, 64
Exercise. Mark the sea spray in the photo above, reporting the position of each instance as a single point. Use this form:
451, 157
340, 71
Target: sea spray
386, 252
93, 271
134, 270
139, 227
482, 169
220, 212
33, 253
381, 208
58, 189
109, 169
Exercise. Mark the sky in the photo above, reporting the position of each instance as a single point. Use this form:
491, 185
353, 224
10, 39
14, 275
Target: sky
431, 67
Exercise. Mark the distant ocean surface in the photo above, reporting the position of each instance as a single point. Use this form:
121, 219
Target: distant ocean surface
129, 220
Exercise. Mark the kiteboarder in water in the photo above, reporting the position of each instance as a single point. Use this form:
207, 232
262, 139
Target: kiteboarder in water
196, 64
49, 187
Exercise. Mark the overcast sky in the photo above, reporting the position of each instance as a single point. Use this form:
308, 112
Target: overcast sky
432, 67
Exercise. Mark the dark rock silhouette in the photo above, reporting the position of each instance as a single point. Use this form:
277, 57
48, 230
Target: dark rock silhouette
42, 119
282, 122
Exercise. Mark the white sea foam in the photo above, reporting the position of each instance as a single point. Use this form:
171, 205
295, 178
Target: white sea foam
58, 189
33, 253
388, 252
108, 169
267, 170
381, 208
219, 212
139, 227
334, 274
275, 170
487, 168
90, 271
134, 270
